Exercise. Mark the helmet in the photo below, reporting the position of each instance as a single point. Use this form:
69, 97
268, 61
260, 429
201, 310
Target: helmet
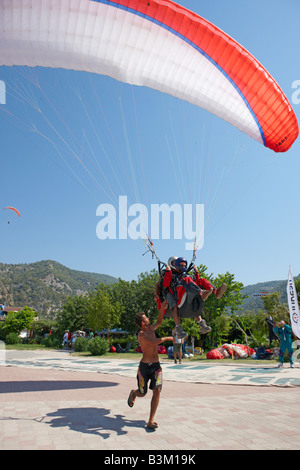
171, 260
177, 264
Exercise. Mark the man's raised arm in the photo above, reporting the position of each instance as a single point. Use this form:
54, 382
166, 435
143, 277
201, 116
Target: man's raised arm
160, 317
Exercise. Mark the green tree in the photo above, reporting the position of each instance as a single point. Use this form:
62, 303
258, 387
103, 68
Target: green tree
135, 296
217, 312
103, 312
275, 308
73, 315
15, 322
238, 323
126, 293
146, 285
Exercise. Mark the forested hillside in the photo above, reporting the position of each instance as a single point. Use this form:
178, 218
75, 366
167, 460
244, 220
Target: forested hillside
256, 291
44, 285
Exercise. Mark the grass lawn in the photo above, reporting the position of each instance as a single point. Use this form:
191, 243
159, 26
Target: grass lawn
27, 347
133, 356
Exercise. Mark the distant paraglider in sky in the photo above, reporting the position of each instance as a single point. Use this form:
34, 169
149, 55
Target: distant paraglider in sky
13, 209
158, 44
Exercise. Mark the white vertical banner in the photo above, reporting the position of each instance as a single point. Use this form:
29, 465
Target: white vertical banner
293, 304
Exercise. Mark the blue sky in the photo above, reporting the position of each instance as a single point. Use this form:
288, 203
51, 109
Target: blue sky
72, 140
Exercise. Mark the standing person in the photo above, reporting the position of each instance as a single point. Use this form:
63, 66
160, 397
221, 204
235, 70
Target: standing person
285, 334
149, 367
66, 339
69, 340
177, 346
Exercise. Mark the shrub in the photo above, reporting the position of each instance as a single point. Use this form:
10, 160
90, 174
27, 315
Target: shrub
81, 344
52, 341
97, 346
12, 338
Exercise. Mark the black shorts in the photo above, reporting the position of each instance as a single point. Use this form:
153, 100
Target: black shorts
149, 371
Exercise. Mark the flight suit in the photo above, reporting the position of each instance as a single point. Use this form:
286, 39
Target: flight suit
285, 334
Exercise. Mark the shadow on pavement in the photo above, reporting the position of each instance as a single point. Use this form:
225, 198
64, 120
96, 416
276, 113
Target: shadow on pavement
95, 421
46, 385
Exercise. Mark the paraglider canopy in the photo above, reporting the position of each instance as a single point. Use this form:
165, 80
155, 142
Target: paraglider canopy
158, 44
13, 209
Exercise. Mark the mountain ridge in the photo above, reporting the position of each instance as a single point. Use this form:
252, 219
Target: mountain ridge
254, 302
44, 285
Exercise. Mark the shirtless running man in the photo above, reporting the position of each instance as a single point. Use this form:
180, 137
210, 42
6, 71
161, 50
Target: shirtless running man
149, 367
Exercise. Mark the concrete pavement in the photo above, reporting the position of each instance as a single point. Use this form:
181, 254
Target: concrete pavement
48, 407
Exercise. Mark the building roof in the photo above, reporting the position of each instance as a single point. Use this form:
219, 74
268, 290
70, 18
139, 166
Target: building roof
11, 309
